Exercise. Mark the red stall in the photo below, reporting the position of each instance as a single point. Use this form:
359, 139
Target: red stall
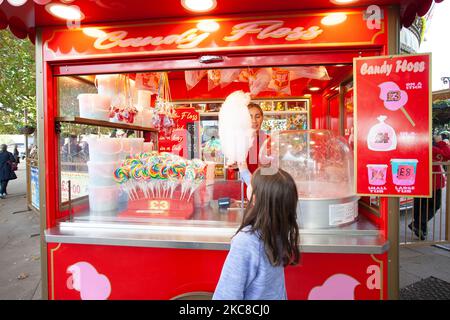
130, 80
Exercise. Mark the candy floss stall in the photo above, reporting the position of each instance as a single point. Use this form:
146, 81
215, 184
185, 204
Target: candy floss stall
135, 204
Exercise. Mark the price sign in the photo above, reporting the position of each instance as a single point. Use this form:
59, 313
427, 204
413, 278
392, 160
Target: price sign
393, 125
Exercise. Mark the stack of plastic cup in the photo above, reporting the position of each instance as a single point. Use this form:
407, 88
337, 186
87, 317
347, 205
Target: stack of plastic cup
104, 154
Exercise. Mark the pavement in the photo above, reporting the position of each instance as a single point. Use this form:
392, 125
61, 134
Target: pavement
20, 265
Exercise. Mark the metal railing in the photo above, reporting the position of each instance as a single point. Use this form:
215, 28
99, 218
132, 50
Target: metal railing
425, 221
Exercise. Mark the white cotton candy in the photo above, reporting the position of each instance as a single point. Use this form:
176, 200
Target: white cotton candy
235, 127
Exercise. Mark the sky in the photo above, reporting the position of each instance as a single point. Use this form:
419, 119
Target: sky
437, 41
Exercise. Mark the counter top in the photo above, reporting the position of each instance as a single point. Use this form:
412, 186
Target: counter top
361, 236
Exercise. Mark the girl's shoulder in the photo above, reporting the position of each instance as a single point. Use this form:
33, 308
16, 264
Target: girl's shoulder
247, 236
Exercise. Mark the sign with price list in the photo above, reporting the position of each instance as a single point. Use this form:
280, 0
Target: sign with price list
181, 140
393, 125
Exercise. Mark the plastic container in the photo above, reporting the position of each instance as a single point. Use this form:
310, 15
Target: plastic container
107, 84
94, 106
377, 174
103, 198
104, 149
123, 200
148, 146
143, 99
102, 173
132, 146
404, 171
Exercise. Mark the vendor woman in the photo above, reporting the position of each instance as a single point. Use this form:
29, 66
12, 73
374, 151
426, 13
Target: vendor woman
253, 161
257, 117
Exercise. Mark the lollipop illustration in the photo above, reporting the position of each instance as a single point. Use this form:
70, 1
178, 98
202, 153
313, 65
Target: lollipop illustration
394, 98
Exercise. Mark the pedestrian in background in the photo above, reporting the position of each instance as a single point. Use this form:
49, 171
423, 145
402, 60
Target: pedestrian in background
425, 209
6, 169
16, 154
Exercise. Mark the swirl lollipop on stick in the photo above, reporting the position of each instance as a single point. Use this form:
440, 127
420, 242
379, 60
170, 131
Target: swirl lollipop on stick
122, 176
199, 178
189, 177
164, 179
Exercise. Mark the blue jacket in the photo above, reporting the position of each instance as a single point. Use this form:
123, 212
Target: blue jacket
247, 273
6, 172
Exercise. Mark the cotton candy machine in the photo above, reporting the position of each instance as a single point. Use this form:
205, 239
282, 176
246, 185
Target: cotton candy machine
321, 164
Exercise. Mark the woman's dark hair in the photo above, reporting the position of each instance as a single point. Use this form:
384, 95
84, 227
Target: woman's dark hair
257, 106
272, 211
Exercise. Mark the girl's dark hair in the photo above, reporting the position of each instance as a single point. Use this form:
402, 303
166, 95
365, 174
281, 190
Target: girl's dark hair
272, 211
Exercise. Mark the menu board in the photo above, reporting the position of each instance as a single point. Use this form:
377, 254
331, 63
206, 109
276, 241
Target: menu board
393, 125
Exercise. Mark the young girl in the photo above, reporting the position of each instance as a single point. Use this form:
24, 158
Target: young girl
264, 244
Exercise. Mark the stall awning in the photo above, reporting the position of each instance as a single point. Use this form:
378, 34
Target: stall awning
23, 16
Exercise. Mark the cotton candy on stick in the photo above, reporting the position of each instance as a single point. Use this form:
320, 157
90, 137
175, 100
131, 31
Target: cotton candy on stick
235, 127
394, 98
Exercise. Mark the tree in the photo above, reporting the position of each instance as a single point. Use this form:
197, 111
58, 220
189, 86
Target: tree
17, 83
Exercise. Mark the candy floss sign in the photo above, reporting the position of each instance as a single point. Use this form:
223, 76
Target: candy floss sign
393, 125
301, 30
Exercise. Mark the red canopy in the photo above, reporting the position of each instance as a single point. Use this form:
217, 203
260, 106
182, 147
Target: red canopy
22, 20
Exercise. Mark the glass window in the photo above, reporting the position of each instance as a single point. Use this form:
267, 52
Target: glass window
115, 130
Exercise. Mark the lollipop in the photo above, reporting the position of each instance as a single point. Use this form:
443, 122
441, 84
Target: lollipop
135, 174
173, 178
394, 98
122, 176
198, 180
188, 180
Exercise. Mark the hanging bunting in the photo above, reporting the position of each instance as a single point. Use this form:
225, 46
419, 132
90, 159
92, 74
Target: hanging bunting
228, 76
259, 81
280, 81
148, 81
193, 77
214, 76
318, 73
245, 74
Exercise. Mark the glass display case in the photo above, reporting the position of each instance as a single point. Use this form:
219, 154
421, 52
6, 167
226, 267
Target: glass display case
321, 164
110, 170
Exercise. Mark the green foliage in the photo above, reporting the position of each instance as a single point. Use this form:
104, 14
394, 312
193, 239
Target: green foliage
17, 83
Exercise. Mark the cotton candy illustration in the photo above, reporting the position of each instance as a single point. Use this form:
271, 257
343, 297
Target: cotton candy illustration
394, 98
85, 279
336, 287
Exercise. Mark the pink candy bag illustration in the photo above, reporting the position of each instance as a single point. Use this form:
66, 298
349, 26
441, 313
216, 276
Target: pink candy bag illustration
394, 98
85, 279
382, 137
337, 287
